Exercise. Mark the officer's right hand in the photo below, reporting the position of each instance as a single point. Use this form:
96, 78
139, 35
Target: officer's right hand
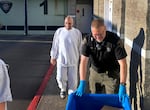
122, 93
81, 89
53, 61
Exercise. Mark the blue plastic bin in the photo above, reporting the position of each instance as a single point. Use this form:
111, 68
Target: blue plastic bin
96, 102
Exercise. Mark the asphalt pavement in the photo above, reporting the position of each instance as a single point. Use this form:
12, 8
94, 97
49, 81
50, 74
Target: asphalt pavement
28, 59
50, 99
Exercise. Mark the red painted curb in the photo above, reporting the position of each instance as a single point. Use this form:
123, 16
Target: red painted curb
33, 104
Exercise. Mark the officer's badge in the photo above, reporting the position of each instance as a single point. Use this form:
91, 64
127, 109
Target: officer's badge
5, 6
91, 48
108, 49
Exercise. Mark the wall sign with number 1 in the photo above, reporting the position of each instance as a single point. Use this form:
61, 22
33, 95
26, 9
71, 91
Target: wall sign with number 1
45, 5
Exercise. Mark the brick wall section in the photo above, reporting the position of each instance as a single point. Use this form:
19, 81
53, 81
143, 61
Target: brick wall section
148, 25
147, 85
116, 15
136, 11
98, 8
147, 61
136, 30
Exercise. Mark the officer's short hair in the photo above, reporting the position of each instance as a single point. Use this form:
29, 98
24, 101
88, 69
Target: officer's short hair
96, 23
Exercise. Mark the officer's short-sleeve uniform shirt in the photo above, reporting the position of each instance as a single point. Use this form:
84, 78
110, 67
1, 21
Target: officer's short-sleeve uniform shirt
104, 55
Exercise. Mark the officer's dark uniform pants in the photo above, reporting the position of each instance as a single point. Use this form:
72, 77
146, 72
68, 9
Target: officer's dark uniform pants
104, 80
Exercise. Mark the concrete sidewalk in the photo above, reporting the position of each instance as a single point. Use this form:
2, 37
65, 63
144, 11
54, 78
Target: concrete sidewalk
28, 59
50, 99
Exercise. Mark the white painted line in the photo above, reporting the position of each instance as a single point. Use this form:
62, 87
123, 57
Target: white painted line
144, 53
26, 41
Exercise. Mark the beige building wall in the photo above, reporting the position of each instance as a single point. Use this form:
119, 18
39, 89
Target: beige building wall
98, 8
136, 38
118, 17
131, 19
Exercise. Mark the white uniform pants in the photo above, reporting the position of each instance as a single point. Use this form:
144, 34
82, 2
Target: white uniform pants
67, 78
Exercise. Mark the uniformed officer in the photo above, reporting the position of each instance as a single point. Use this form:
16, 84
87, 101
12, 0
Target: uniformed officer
108, 58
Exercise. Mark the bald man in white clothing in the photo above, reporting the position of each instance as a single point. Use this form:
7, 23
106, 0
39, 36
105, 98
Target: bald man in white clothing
66, 52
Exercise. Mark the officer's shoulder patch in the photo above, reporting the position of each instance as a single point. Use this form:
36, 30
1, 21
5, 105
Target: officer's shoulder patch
84, 41
120, 43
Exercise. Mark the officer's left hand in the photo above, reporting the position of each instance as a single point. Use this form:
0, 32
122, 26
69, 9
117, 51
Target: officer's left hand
122, 93
81, 89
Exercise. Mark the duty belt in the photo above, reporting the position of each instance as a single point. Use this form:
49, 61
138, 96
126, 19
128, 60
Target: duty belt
98, 70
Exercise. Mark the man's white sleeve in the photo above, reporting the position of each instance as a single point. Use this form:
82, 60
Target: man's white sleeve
55, 45
5, 91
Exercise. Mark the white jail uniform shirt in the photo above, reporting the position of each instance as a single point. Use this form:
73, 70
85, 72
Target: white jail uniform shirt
66, 46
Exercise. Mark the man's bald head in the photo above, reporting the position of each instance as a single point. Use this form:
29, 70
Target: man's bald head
68, 22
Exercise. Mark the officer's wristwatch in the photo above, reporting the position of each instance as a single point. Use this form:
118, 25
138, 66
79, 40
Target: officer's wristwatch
122, 83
